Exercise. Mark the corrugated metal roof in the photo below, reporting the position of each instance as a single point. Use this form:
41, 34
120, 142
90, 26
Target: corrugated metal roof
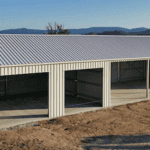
23, 48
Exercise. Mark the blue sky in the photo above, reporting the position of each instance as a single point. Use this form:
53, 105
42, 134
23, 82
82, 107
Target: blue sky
74, 14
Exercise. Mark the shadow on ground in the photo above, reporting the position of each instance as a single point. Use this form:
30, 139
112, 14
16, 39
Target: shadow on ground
23, 117
133, 84
116, 142
78, 102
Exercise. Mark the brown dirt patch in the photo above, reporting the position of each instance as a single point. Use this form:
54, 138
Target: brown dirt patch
101, 129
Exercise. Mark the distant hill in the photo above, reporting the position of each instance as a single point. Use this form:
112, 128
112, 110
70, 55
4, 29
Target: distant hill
147, 32
81, 31
23, 31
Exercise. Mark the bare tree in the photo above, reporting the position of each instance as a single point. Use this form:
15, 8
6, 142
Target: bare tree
55, 28
51, 31
49, 28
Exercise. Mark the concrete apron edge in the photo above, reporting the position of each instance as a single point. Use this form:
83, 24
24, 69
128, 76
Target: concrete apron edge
35, 122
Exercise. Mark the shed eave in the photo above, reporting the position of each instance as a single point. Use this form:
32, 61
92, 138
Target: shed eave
81, 61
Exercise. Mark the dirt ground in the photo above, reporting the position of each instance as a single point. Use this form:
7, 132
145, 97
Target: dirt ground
124, 126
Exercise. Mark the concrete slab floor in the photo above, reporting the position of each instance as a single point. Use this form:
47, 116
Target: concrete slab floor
21, 110
25, 113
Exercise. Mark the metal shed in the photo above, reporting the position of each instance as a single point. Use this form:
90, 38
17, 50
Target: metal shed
86, 59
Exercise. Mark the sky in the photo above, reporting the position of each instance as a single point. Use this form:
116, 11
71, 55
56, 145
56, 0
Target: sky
74, 14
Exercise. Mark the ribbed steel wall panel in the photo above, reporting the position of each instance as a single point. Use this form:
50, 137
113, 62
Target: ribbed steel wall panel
106, 76
106, 84
57, 91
